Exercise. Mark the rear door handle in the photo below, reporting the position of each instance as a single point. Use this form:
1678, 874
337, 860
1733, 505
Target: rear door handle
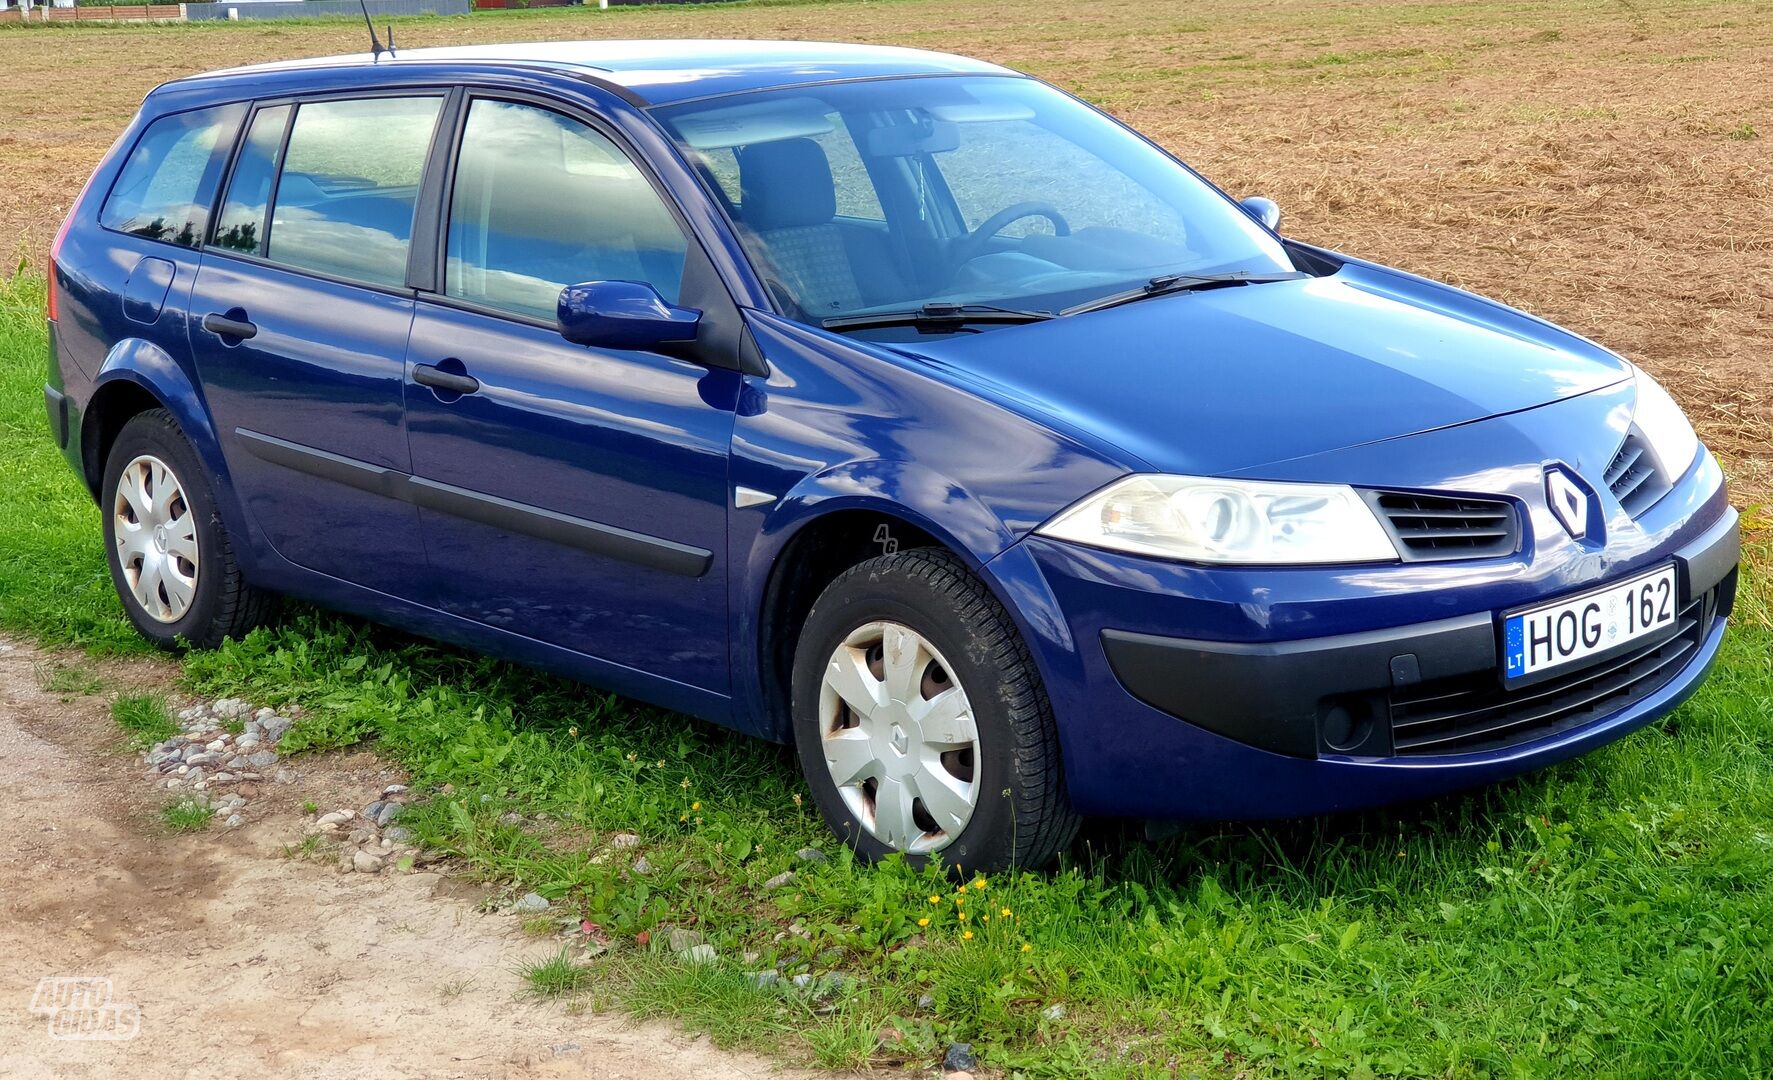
222, 326
439, 379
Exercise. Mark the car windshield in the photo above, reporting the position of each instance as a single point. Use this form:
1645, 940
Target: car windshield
896, 194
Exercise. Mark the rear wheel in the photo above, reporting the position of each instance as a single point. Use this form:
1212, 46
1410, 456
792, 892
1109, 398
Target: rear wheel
920, 720
171, 558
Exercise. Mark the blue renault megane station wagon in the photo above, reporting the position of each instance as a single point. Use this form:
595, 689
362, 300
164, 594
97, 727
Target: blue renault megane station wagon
890, 403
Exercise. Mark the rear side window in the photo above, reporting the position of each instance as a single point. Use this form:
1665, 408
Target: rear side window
241, 224
344, 200
166, 186
542, 201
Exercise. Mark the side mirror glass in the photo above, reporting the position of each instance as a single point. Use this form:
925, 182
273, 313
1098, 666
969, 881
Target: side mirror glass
622, 315
1267, 211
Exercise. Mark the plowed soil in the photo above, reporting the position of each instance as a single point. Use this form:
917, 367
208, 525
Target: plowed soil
1602, 163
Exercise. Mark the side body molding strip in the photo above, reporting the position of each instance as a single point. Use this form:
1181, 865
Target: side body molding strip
593, 536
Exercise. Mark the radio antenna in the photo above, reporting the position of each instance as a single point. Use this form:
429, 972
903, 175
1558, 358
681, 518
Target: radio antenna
375, 43
390, 28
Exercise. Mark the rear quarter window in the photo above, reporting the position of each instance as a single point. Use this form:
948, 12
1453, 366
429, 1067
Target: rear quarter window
166, 186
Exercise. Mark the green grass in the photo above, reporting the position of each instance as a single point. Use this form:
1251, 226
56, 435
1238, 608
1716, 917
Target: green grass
50, 580
68, 680
144, 717
1610, 916
558, 976
186, 815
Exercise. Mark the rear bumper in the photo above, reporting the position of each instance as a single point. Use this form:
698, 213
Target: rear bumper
56, 404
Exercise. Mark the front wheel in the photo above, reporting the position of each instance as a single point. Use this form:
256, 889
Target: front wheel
171, 558
920, 719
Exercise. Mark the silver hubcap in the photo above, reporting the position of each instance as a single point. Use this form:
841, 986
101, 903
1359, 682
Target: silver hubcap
156, 538
899, 738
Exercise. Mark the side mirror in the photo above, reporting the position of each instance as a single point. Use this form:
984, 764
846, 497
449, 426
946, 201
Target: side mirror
622, 315
1267, 211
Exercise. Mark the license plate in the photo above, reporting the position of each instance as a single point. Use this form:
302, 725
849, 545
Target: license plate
1579, 627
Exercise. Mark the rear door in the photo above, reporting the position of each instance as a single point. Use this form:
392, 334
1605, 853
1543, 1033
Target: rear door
299, 323
575, 496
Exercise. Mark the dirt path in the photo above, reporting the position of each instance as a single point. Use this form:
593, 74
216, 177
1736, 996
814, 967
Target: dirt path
242, 961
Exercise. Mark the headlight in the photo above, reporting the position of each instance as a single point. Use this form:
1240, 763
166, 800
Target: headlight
1665, 427
1227, 521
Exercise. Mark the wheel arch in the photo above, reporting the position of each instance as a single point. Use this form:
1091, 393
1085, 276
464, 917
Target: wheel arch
138, 376
826, 524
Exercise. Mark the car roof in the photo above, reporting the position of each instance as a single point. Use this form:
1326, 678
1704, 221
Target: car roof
657, 72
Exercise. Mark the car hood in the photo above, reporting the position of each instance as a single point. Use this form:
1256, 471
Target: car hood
1228, 379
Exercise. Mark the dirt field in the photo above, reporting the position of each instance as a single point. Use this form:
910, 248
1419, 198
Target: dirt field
1603, 163
245, 962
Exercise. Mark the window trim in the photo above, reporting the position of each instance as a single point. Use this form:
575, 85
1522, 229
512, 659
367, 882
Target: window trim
446, 92
222, 179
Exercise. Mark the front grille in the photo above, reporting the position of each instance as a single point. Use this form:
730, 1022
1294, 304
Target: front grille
1470, 713
1633, 476
1433, 528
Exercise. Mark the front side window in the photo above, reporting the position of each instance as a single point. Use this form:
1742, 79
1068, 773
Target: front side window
164, 190
344, 199
541, 201
896, 193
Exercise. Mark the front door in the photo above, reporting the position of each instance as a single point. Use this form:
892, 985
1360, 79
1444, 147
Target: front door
299, 324
571, 495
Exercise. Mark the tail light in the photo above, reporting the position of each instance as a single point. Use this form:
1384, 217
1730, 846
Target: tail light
55, 252
61, 234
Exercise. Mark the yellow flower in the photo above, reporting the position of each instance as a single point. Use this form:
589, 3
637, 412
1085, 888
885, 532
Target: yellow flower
1005, 912
573, 731
659, 764
925, 921
683, 817
967, 936
963, 916
984, 918
632, 756
797, 800
695, 805
935, 899
685, 784
979, 885
960, 901
1027, 947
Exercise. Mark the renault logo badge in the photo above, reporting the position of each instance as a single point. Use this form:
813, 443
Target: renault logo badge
1569, 500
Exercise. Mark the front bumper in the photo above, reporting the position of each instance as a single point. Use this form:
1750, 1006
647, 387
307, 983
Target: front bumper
1292, 695
1430, 689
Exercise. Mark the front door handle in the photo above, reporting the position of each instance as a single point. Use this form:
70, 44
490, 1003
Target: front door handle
222, 326
439, 379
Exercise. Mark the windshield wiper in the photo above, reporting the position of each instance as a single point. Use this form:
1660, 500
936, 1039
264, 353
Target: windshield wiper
936, 316
1165, 284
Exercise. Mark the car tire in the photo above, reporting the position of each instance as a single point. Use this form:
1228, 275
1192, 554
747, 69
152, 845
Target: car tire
158, 508
945, 632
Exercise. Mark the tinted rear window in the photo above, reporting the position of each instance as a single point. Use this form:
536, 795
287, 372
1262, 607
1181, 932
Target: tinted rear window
350, 178
165, 188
